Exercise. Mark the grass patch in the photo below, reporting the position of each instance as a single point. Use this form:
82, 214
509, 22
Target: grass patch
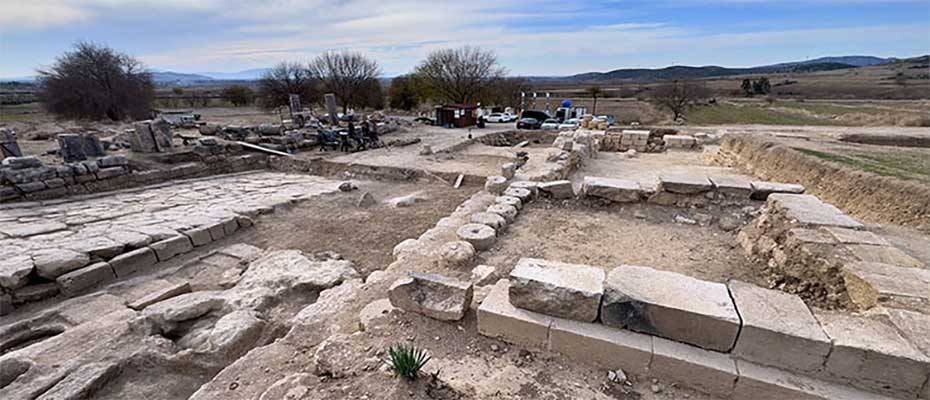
895, 165
407, 360
827, 109
22, 112
748, 114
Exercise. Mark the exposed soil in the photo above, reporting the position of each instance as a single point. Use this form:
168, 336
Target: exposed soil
364, 235
638, 234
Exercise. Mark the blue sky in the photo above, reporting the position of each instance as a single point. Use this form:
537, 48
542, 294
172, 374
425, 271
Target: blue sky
530, 38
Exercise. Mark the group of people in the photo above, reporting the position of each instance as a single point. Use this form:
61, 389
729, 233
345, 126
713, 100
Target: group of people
366, 136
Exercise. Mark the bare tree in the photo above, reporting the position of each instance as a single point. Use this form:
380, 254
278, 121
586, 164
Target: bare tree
349, 75
462, 75
595, 92
238, 95
506, 92
677, 96
405, 92
96, 82
285, 79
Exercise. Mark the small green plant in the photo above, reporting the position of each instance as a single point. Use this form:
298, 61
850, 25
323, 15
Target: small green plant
407, 360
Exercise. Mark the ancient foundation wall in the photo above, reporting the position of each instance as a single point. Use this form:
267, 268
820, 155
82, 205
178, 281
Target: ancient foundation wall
867, 196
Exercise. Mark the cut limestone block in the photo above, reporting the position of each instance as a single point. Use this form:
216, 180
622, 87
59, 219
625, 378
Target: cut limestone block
78, 280
52, 263
883, 254
679, 141
684, 183
868, 283
432, 295
557, 189
914, 326
159, 294
127, 263
807, 210
872, 355
852, 236
528, 185
736, 188
509, 200
169, 248
508, 212
14, 271
199, 236
558, 289
495, 184
670, 305
525, 195
758, 382
778, 329
499, 319
31, 293
618, 190
600, 345
708, 371
480, 236
495, 221
761, 190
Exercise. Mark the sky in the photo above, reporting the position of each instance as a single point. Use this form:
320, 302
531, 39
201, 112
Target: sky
530, 38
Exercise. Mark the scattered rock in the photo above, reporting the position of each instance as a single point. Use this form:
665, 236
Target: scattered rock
347, 186
426, 150
333, 357
483, 275
366, 200
685, 220
495, 221
456, 254
374, 313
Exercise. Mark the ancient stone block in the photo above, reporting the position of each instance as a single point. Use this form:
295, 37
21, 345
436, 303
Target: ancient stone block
169, 248
525, 195
199, 236
8, 145
509, 200
480, 236
483, 275
618, 190
807, 210
499, 319
52, 263
778, 329
434, 296
708, 371
127, 263
600, 345
495, 184
528, 185
761, 190
111, 172
242, 251
557, 189
77, 147
14, 271
83, 382
758, 382
736, 188
852, 236
883, 254
495, 221
508, 170
159, 294
558, 289
90, 276
684, 183
670, 305
31, 229
868, 284
872, 355
508, 212
21, 162
31, 293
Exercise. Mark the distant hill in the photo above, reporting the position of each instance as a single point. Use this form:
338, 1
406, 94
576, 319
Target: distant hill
247, 75
856, 61
686, 72
176, 78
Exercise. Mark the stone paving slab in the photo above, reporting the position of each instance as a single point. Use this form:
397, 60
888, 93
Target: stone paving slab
601, 345
733, 187
558, 289
873, 355
670, 305
808, 210
618, 190
852, 236
761, 189
778, 329
868, 284
883, 254
684, 183
758, 382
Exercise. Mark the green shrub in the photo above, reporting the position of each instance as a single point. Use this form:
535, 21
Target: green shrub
407, 360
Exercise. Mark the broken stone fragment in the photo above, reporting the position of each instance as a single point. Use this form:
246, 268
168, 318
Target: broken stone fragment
347, 186
14, 271
761, 190
558, 289
557, 189
78, 280
374, 313
333, 357
456, 254
495, 221
480, 236
365, 200
508, 170
434, 296
159, 294
165, 314
483, 275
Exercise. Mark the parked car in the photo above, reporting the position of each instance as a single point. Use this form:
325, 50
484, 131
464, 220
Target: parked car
538, 115
569, 124
528, 123
501, 117
550, 124
609, 118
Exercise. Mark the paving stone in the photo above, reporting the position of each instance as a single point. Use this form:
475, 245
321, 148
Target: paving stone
778, 329
557, 189
872, 355
497, 318
95, 246
868, 284
508, 212
913, 326
761, 190
670, 305
432, 295
14, 271
31, 229
83, 382
242, 251
169, 248
759, 382
600, 345
52, 263
558, 289
733, 187
199, 236
852, 236
708, 371
684, 183
88, 277
129, 239
480, 236
217, 231
883, 254
161, 293
495, 221
617, 190
127, 263
509, 200
32, 293
807, 210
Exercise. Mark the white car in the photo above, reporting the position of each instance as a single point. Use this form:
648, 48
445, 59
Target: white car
569, 124
501, 117
550, 125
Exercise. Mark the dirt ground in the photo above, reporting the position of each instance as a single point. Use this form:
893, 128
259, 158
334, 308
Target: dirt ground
364, 235
644, 235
